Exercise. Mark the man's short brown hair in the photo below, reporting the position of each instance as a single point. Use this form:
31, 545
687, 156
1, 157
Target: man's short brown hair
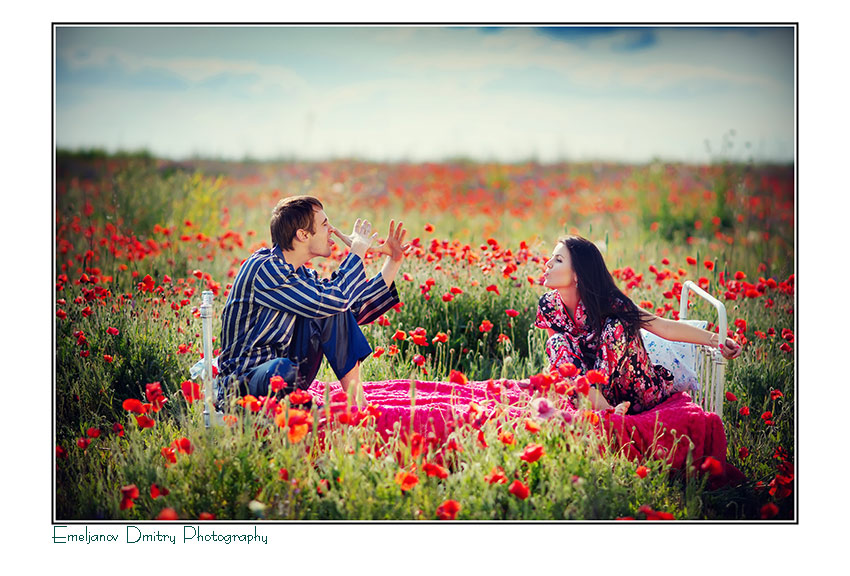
291, 215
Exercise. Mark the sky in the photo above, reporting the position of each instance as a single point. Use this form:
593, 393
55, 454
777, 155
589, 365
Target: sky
429, 93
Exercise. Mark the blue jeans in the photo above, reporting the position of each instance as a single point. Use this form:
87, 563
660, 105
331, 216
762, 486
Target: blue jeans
337, 338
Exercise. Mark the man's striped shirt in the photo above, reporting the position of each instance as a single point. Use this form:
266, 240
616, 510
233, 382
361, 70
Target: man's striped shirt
269, 293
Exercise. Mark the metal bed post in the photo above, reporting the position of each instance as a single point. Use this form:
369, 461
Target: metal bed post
710, 364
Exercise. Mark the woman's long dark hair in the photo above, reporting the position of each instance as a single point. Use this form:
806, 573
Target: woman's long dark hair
598, 291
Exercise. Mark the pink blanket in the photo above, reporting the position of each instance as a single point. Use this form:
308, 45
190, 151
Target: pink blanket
664, 432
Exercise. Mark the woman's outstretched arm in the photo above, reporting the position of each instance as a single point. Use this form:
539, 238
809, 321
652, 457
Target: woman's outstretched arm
682, 332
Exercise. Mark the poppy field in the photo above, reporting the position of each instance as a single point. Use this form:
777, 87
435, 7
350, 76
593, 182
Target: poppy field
138, 239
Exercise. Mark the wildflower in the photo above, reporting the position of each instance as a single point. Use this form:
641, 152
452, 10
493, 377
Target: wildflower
392, 350
429, 227
567, 370
532, 452
399, 335
128, 495
112, 331
743, 452
448, 297
191, 391
493, 288
731, 397
169, 454
93, 432
144, 421
299, 397
107, 358
432, 469
184, 446
642, 471
507, 438
519, 490
744, 411
167, 514
134, 405
440, 337
419, 360
655, 514
250, 402
448, 510
61, 314
378, 352
496, 476
456, 377
690, 260
769, 510
533, 427
596, 377
767, 417
712, 466
775, 394
83, 443
406, 480
118, 429
511, 313
157, 491
155, 396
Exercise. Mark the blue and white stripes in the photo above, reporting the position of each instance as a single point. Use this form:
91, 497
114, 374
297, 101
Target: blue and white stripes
268, 294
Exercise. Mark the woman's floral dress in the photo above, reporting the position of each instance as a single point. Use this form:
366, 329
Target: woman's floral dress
624, 361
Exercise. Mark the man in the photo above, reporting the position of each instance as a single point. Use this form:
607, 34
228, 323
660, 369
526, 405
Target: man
280, 318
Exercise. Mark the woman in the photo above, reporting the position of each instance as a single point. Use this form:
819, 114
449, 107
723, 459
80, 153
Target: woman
594, 326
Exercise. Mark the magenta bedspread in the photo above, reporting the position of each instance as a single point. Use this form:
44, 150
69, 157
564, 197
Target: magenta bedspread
664, 432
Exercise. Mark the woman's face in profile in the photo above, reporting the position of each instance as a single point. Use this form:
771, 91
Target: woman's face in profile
559, 269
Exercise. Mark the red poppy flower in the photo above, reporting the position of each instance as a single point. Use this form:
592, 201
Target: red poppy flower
191, 391
690, 260
731, 397
456, 377
406, 480
206, 516
744, 411
184, 446
712, 466
486, 326
440, 337
378, 352
107, 358
144, 421
709, 264
155, 396
429, 227
519, 490
112, 331
133, 405
743, 452
283, 474
448, 510
93, 432
642, 471
775, 394
83, 442
169, 454
157, 491
493, 288
128, 495
399, 335
532, 453
507, 438
419, 360
567, 370
655, 514
511, 313
596, 377
496, 476
167, 514
583, 385
299, 397
60, 453
61, 314
769, 510
533, 427
276, 383
432, 469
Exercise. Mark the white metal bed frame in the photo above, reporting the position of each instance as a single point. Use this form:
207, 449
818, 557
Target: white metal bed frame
709, 364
